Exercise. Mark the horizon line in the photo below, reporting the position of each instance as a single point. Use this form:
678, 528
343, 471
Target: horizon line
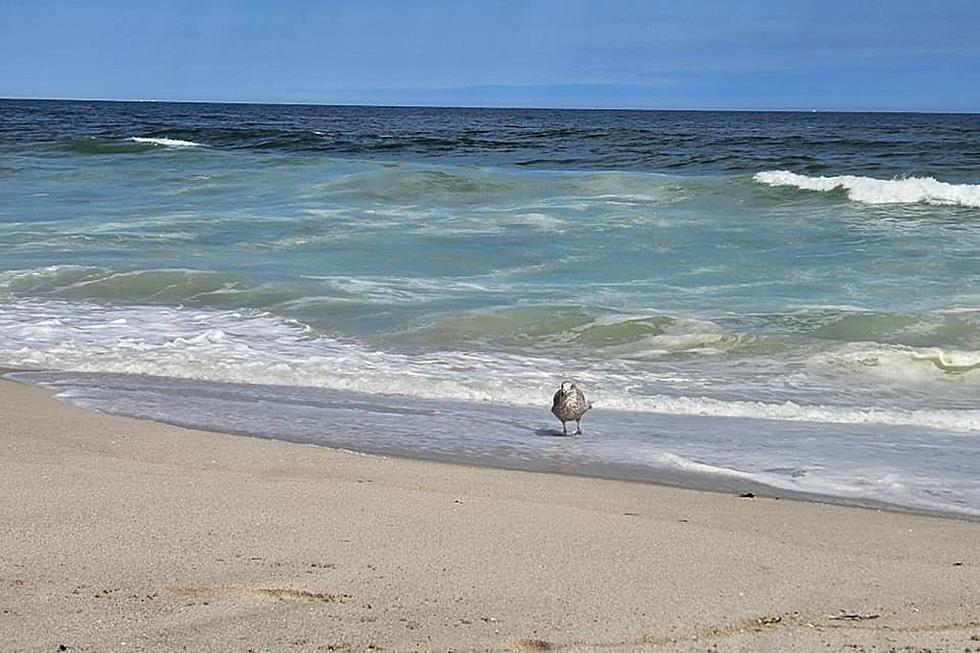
498, 108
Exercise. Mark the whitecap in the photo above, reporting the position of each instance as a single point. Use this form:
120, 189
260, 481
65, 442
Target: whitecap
868, 190
165, 142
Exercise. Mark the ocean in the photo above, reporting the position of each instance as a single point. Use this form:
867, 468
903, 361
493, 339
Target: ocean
781, 301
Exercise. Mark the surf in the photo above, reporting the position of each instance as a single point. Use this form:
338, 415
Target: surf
165, 142
869, 190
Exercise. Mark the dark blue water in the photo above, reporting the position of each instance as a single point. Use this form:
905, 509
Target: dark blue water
697, 142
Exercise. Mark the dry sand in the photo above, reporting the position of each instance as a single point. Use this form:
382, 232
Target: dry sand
122, 535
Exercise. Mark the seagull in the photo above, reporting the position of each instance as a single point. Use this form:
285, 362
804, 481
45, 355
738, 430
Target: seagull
569, 405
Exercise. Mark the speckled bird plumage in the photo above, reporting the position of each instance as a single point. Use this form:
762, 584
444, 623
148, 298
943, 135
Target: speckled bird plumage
569, 405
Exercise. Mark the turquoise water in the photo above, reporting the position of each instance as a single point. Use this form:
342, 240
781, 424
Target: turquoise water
796, 295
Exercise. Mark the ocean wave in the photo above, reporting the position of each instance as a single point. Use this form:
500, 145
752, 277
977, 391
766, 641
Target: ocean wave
84, 282
943, 362
165, 142
416, 184
213, 289
92, 145
897, 363
540, 322
962, 421
257, 347
554, 328
868, 190
652, 335
133, 145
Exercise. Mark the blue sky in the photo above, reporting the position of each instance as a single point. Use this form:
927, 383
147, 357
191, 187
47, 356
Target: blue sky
701, 54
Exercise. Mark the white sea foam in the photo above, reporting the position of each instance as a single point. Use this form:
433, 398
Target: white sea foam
165, 142
898, 363
963, 421
868, 190
256, 347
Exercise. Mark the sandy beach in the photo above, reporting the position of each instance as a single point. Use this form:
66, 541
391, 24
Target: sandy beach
123, 535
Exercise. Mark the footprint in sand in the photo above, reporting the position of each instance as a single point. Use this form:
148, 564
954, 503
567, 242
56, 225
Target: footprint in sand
270, 593
530, 645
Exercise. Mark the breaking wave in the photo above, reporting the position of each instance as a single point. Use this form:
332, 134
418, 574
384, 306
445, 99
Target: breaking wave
551, 326
868, 190
165, 142
133, 145
256, 347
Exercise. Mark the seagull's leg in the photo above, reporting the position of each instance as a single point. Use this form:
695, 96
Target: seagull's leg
578, 428
564, 429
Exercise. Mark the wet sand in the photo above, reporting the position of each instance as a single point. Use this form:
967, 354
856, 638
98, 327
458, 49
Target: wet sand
124, 535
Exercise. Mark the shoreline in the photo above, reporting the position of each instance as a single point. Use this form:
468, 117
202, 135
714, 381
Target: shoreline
121, 534
681, 479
